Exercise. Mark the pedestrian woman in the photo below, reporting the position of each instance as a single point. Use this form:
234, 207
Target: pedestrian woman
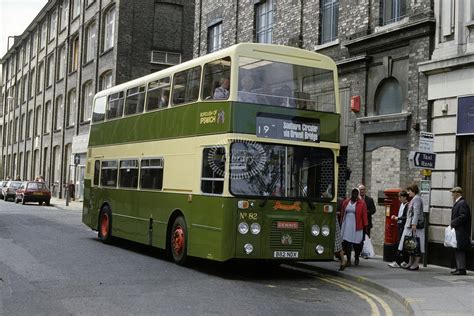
338, 250
414, 226
354, 223
461, 222
401, 219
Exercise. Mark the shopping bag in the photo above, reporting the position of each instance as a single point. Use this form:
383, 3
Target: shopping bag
368, 248
450, 237
411, 245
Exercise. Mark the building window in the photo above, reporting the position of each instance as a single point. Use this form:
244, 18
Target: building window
52, 24
29, 123
61, 67
388, 97
24, 88
58, 113
31, 83
34, 43
76, 8
329, 20
22, 126
106, 80
71, 108
43, 35
47, 117
39, 80
74, 59
264, 21
214, 36
89, 2
26, 54
109, 29
63, 17
38, 120
392, 11
50, 70
91, 43
88, 98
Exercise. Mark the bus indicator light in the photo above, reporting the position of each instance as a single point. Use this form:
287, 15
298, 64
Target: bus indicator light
243, 205
327, 209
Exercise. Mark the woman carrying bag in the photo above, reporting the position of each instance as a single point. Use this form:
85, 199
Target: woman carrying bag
414, 227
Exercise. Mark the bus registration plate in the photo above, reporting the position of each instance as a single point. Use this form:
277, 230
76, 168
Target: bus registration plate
285, 254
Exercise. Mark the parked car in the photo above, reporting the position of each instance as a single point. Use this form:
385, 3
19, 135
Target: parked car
32, 191
9, 191
2, 185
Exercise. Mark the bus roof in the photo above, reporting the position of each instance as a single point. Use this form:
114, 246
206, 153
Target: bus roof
269, 51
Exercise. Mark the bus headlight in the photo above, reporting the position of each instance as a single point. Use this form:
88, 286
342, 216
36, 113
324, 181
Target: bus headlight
319, 249
315, 230
325, 230
248, 248
255, 228
243, 228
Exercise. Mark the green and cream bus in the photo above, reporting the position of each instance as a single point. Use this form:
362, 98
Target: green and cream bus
230, 155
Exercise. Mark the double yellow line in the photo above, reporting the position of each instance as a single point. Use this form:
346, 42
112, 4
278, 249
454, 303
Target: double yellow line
370, 298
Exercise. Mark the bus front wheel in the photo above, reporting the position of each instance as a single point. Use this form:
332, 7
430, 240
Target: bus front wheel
178, 241
105, 225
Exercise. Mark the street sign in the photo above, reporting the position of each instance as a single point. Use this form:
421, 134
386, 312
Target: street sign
425, 143
422, 160
77, 159
425, 186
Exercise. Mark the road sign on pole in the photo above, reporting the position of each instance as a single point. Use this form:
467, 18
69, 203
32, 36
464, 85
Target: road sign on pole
425, 143
422, 160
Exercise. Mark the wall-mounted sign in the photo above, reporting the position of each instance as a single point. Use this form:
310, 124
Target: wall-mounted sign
287, 127
465, 116
422, 160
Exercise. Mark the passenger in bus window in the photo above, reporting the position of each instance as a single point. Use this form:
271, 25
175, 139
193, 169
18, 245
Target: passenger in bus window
164, 100
222, 92
245, 93
284, 95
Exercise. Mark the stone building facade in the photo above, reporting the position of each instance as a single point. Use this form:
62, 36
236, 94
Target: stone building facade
70, 51
450, 75
377, 45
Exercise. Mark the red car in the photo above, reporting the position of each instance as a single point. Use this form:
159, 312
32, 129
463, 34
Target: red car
32, 191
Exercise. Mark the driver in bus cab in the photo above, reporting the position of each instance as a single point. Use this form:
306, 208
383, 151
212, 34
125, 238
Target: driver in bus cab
222, 92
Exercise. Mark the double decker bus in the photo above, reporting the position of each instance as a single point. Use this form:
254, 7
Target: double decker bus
230, 155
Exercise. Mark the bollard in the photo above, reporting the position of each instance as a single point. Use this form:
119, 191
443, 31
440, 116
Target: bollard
67, 196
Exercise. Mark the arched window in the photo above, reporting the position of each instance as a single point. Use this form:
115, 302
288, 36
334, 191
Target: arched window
388, 98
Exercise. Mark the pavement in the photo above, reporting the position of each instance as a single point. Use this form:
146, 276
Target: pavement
430, 291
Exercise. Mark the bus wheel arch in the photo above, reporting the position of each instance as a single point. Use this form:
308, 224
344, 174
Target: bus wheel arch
105, 224
177, 238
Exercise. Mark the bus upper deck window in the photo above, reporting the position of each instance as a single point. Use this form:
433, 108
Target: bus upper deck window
158, 94
216, 82
99, 109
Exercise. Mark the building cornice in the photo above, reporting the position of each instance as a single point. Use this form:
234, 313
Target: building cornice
432, 67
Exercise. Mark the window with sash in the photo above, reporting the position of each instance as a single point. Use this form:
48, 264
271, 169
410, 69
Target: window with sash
109, 29
264, 21
329, 20
214, 36
392, 11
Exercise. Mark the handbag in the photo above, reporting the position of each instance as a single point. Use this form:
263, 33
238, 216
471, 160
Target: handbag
411, 245
450, 237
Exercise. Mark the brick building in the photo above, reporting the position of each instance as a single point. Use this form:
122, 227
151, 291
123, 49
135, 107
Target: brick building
70, 51
377, 45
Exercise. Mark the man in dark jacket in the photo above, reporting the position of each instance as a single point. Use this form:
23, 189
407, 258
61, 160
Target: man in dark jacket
461, 222
370, 206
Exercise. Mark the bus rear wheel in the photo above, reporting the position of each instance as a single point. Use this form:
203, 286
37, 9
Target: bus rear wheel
105, 225
178, 241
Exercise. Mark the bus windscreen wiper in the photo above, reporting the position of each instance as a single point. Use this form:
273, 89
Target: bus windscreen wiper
269, 190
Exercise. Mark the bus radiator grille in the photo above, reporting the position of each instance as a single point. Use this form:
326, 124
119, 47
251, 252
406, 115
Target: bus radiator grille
286, 239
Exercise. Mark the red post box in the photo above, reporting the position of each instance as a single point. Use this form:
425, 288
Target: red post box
392, 204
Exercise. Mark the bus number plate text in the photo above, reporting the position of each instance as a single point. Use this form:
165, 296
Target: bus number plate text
285, 254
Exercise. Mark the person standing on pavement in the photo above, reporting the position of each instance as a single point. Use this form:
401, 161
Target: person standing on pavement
370, 206
401, 219
369, 202
461, 222
414, 226
354, 223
